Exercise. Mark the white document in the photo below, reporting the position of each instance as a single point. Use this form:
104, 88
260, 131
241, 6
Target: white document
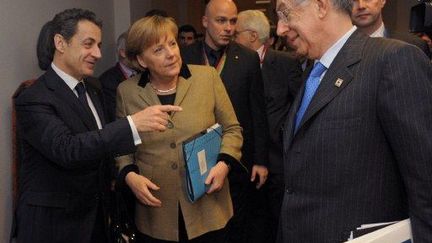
395, 233
202, 161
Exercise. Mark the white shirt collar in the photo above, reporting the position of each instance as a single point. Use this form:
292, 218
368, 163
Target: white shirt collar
260, 50
379, 32
69, 80
128, 71
331, 53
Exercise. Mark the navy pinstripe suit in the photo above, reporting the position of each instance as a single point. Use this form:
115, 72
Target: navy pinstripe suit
363, 152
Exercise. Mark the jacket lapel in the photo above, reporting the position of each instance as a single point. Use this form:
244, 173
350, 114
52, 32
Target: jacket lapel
337, 77
148, 95
94, 96
59, 87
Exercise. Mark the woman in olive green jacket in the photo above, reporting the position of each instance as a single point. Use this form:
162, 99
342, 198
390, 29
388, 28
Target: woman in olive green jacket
156, 172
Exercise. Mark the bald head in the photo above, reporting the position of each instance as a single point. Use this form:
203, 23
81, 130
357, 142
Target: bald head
215, 6
219, 20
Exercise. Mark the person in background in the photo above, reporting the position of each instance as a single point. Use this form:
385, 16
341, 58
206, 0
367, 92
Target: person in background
187, 35
282, 80
156, 172
240, 71
358, 138
367, 16
426, 37
66, 143
112, 77
158, 12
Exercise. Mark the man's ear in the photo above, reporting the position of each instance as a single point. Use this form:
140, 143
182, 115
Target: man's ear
122, 52
253, 36
141, 61
322, 7
60, 43
204, 21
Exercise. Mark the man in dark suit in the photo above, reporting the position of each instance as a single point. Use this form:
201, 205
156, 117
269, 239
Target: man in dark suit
358, 139
282, 80
240, 71
66, 144
112, 77
367, 16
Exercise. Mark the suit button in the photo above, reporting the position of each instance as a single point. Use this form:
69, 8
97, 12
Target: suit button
289, 191
174, 166
173, 145
170, 125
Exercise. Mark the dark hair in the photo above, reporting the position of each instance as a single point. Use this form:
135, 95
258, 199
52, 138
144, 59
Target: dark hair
188, 28
156, 12
64, 23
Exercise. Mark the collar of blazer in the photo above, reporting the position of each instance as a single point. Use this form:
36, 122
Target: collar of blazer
60, 89
150, 97
340, 68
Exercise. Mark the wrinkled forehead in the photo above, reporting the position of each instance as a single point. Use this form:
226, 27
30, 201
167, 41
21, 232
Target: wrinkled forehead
287, 4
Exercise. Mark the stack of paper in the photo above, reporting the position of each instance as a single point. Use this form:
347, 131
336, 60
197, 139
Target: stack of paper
394, 233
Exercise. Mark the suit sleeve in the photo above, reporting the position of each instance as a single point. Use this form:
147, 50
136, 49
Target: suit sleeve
405, 111
260, 125
42, 127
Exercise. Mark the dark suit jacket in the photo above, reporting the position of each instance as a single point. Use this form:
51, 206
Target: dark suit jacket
62, 177
242, 78
409, 38
362, 153
282, 80
110, 80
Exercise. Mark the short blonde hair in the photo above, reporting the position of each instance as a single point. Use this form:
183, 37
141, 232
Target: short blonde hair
146, 32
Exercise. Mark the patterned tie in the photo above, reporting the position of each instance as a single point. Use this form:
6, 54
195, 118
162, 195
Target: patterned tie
81, 90
312, 84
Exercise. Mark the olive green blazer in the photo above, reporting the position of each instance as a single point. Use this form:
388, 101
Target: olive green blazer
205, 101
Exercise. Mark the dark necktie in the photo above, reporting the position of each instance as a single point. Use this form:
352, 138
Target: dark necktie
213, 58
312, 84
81, 90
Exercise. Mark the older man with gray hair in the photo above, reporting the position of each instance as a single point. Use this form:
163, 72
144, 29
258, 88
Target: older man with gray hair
358, 139
281, 78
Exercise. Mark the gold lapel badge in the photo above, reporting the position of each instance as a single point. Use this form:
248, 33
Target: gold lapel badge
338, 82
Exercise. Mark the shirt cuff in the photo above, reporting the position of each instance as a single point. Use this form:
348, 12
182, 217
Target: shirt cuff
228, 159
135, 134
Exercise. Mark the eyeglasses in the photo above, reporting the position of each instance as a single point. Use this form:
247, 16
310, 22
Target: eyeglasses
285, 15
236, 33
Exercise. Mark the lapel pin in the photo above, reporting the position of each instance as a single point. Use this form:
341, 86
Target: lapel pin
338, 82
236, 57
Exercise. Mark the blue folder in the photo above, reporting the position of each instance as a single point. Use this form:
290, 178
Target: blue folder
200, 153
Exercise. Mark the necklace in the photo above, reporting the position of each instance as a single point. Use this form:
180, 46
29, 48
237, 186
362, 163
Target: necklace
163, 91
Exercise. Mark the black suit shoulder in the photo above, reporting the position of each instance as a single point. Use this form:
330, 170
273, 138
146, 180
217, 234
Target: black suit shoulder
111, 77
193, 54
411, 39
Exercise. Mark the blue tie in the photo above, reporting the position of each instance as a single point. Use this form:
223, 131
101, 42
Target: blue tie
312, 84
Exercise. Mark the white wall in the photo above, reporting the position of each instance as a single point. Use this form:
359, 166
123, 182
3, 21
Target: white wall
20, 22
